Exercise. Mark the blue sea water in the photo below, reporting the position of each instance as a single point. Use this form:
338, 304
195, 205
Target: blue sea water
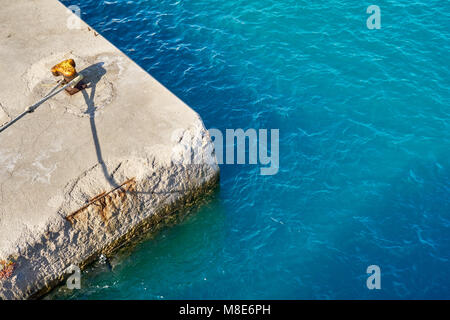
364, 120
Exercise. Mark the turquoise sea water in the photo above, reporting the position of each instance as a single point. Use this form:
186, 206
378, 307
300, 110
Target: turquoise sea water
364, 123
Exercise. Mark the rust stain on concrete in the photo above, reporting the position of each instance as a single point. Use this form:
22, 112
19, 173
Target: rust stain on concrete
106, 203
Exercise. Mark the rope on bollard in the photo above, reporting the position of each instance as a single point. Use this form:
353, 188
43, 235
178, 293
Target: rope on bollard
48, 96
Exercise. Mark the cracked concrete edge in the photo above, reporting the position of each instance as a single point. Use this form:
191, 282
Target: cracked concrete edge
157, 194
166, 181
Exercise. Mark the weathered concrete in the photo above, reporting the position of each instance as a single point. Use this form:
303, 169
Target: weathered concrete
84, 173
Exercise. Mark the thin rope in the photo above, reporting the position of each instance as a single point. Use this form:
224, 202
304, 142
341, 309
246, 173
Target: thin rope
48, 96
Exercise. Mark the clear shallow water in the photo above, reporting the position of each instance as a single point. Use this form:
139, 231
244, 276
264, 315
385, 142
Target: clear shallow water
364, 123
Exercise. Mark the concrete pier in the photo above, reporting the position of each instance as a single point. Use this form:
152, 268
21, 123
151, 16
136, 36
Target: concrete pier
84, 173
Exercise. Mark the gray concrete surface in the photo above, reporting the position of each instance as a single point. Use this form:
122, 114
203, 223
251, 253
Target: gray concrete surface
126, 140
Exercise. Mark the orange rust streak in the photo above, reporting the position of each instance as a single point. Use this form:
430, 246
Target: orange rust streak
100, 200
97, 197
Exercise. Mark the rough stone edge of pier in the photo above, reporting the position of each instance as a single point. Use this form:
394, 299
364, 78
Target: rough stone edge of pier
118, 217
